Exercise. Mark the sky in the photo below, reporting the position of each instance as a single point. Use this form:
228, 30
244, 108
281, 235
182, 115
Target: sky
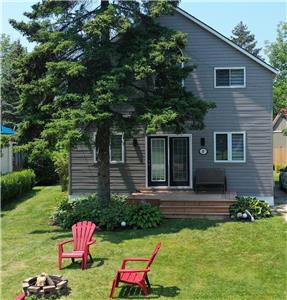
261, 16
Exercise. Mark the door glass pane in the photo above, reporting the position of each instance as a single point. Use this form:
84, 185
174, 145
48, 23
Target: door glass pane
116, 147
158, 159
222, 77
221, 147
179, 159
237, 146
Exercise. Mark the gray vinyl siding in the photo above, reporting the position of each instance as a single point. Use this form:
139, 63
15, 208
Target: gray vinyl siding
126, 176
238, 109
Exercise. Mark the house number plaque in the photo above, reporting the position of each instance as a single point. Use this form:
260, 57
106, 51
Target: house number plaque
203, 151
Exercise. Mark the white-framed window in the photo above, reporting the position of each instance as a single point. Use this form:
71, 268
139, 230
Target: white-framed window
233, 77
117, 148
230, 147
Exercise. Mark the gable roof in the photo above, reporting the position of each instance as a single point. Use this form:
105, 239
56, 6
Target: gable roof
226, 40
6, 130
282, 113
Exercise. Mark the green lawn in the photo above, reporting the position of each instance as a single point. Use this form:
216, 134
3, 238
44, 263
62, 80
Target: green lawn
199, 259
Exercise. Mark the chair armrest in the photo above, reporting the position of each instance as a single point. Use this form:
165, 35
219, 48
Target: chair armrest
61, 244
91, 242
65, 242
124, 261
88, 245
134, 270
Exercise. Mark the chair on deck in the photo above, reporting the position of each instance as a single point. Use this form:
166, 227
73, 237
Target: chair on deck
82, 239
135, 276
209, 177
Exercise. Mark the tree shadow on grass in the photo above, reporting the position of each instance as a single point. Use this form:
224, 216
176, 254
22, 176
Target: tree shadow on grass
97, 262
157, 291
18, 200
60, 233
117, 237
167, 227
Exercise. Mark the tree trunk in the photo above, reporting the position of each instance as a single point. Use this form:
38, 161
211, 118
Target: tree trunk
103, 158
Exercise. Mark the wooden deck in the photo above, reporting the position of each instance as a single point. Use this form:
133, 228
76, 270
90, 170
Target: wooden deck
180, 204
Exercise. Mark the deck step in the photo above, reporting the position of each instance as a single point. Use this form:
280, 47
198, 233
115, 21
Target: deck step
195, 209
196, 202
189, 215
176, 204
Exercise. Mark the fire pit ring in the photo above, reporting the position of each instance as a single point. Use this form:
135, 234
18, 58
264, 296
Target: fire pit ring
52, 285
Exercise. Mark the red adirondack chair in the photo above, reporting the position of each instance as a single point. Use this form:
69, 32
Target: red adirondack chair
135, 276
20, 297
82, 239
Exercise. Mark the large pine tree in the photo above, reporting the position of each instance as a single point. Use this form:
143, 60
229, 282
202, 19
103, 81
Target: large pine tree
277, 54
10, 53
91, 64
245, 39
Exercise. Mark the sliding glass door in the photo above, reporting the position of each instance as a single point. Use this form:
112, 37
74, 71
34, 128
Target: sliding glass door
179, 161
168, 161
157, 161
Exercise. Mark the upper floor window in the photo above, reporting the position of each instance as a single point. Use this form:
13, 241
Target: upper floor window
229, 147
229, 77
116, 148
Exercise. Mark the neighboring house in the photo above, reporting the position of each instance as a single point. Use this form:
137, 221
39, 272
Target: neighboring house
279, 139
237, 137
7, 151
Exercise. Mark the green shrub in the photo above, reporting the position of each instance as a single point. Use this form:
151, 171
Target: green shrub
15, 184
69, 212
38, 158
143, 215
61, 164
278, 168
257, 208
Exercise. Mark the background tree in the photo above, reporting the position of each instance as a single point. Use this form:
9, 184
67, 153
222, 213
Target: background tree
245, 39
10, 53
277, 54
97, 67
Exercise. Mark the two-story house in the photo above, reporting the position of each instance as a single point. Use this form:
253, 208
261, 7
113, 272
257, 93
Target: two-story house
237, 136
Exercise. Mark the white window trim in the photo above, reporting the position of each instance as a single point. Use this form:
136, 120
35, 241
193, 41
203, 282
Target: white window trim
229, 86
229, 146
111, 161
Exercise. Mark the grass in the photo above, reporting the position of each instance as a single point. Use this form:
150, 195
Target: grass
199, 259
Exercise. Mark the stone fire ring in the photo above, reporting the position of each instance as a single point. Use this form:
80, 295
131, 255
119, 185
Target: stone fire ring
59, 288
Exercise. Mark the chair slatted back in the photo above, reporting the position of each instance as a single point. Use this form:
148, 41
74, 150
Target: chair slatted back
82, 234
209, 176
154, 253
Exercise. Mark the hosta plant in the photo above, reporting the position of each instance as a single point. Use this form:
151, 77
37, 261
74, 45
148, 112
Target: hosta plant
246, 206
